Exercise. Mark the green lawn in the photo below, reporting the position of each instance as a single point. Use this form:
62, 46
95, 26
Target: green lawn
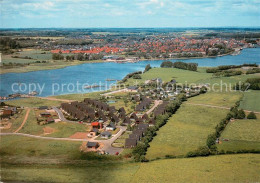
63, 129
185, 131
242, 134
33, 102
18, 146
31, 126
167, 74
120, 103
79, 97
226, 81
225, 168
225, 99
251, 101
120, 142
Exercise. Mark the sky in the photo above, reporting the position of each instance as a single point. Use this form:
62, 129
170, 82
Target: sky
128, 13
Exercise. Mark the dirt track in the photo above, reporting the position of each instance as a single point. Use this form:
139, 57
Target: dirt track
24, 120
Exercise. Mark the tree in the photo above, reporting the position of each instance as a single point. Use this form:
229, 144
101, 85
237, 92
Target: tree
251, 115
211, 140
147, 67
167, 64
241, 114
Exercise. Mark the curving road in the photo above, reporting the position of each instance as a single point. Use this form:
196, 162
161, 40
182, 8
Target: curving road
156, 103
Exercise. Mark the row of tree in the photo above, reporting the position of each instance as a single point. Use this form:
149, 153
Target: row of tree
180, 65
227, 67
140, 150
211, 147
250, 83
80, 57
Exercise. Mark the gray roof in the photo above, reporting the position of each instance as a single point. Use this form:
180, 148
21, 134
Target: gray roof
130, 142
92, 144
106, 133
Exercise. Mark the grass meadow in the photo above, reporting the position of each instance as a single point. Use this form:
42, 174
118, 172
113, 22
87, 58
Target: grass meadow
223, 99
80, 96
167, 74
242, 135
185, 131
224, 168
32, 102
251, 101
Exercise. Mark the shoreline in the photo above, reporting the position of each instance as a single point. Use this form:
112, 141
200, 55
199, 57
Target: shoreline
99, 61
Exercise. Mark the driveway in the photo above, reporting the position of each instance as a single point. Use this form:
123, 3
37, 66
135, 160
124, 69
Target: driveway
108, 143
61, 116
156, 103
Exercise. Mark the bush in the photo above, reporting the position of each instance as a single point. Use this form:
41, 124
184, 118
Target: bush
251, 115
167, 64
137, 76
147, 67
241, 114
211, 140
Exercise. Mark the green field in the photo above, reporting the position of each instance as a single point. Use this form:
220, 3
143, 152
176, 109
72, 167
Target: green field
185, 131
226, 168
37, 55
226, 82
167, 74
224, 99
79, 97
33, 53
34, 160
251, 101
61, 129
32, 102
242, 135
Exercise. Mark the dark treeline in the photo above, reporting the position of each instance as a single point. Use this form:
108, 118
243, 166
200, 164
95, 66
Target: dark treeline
80, 57
180, 65
6, 44
250, 83
140, 150
131, 75
227, 67
213, 138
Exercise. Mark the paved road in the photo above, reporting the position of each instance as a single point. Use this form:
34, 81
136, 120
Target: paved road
156, 103
61, 116
24, 120
214, 106
107, 143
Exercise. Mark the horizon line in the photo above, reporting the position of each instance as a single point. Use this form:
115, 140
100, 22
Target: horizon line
128, 27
